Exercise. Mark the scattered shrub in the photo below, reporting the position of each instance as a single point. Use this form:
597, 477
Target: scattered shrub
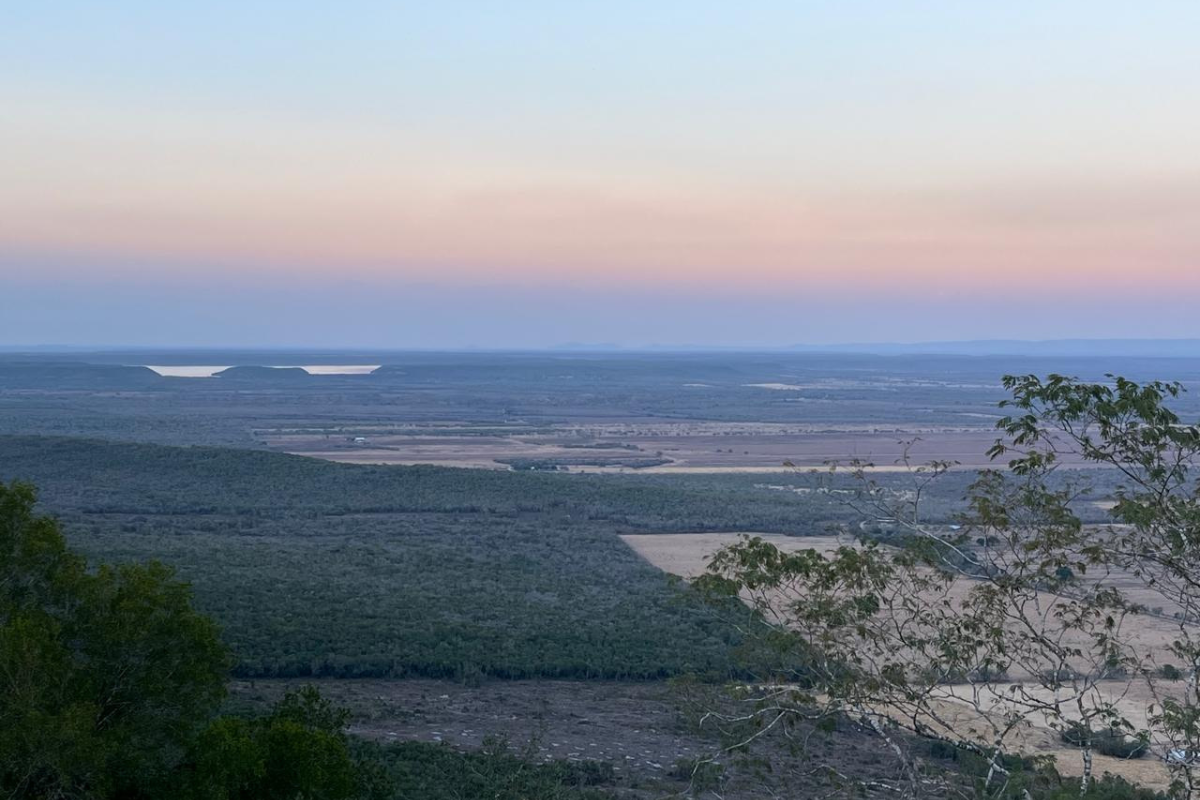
1106, 741
1170, 672
702, 774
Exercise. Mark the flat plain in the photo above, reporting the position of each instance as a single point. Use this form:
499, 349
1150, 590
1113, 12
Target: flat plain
324, 518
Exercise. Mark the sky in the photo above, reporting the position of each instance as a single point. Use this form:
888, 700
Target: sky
528, 173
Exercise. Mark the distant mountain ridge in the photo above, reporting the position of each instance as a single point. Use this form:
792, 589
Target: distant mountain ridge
254, 356
1149, 348
1138, 348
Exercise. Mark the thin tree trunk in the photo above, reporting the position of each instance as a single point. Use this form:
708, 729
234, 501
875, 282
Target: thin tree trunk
1086, 781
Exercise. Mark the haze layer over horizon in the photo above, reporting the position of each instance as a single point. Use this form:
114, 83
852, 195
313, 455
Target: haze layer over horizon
527, 174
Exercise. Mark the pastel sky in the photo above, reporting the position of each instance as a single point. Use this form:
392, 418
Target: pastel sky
530, 172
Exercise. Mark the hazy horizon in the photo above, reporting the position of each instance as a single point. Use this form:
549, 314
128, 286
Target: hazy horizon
248, 353
106, 313
522, 175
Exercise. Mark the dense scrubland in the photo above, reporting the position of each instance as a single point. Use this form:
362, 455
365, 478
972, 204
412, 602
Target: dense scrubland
329, 569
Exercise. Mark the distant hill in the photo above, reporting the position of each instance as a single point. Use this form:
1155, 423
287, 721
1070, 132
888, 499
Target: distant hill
1135, 348
76, 375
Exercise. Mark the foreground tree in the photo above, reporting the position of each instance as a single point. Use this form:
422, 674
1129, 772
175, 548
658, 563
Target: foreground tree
107, 674
110, 682
1021, 615
1153, 541
299, 750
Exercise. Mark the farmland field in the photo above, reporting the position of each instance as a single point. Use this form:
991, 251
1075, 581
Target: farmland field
687, 555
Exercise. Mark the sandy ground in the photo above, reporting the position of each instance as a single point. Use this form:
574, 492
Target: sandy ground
687, 555
690, 447
1037, 740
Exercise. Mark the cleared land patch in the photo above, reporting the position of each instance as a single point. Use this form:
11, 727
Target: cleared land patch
637, 727
687, 555
681, 447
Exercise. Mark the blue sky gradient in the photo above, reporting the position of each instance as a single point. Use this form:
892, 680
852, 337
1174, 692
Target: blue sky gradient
496, 173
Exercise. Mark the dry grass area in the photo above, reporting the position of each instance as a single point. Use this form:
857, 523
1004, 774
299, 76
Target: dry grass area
696, 447
687, 555
1039, 740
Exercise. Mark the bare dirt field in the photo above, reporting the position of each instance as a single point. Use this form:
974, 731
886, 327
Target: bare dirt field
1038, 740
687, 555
638, 727
634, 725
685, 447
